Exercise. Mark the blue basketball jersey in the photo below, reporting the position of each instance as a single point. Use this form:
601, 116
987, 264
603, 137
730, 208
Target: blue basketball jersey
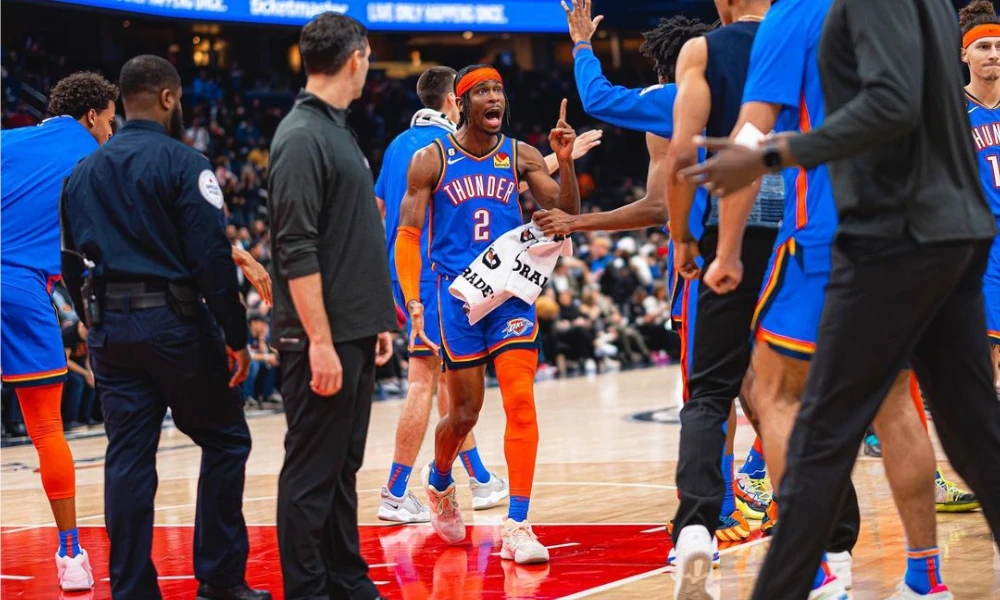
474, 203
391, 187
784, 70
986, 137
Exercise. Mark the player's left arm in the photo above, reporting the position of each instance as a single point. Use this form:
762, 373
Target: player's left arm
564, 195
691, 112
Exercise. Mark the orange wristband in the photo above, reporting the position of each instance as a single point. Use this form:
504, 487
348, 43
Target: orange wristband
408, 262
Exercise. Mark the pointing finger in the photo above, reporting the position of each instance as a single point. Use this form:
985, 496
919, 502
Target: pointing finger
562, 111
565, 7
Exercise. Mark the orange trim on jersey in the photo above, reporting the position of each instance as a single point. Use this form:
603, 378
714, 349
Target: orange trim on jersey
770, 287
444, 166
454, 141
788, 343
684, 341
51, 281
34, 376
518, 340
517, 174
994, 335
802, 179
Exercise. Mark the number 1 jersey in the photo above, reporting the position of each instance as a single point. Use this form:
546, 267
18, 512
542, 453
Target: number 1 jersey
986, 137
475, 201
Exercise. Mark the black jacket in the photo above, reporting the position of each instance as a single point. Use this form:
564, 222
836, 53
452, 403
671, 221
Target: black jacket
324, 220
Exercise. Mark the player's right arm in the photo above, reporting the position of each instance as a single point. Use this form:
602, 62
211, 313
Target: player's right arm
649, 211
423, 176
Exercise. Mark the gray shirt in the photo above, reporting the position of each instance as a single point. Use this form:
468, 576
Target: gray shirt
321, 201
896, 134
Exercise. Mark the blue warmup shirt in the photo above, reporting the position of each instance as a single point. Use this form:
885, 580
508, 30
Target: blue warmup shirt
391, 186
784, 70
649, 110
33, 163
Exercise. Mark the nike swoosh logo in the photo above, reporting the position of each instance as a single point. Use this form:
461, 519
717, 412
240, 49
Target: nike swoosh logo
394, 506
452, 161
972, 109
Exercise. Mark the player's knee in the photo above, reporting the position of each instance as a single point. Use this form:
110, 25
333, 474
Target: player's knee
463, 419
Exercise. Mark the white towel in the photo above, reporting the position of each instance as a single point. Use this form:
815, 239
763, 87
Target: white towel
517, 265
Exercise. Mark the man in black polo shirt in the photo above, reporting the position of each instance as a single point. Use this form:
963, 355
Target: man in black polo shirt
906, 285
333, 310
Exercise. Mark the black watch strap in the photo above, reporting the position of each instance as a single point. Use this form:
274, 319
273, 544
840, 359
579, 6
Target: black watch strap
771, 157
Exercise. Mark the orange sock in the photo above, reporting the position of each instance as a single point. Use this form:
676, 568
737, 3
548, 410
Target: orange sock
42, 410
918, 399
516, 374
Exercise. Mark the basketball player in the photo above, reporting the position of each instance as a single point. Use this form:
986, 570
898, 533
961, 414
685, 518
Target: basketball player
711, 73
469, 182
783, 86
644, 110
981, 51
35, 161
435, 88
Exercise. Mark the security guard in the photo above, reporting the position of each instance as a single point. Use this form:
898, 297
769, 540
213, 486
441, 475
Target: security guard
146, 211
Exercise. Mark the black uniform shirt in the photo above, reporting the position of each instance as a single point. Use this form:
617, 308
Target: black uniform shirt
324, 220
146, 207
896, 133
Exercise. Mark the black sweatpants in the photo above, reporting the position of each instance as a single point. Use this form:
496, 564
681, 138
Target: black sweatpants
317, 488
720, 358
889, 302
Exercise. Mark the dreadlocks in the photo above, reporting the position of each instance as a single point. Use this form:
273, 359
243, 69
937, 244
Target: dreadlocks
467, 99
664, 43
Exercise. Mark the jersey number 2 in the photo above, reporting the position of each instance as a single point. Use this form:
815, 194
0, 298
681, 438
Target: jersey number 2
481, 232
995, 164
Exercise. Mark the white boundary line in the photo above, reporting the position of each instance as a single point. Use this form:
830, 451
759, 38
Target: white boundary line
17, 577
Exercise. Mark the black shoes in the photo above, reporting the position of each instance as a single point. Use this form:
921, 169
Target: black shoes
236, 592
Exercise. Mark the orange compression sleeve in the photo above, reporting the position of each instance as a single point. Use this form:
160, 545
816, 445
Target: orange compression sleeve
408, 262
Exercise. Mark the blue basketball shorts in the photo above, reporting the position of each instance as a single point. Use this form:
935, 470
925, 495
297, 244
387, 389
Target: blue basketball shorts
31, 349
432, 325
991, 293
791, 302
510, 326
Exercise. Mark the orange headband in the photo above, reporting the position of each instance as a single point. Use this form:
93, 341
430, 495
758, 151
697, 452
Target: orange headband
979, 32
474, 78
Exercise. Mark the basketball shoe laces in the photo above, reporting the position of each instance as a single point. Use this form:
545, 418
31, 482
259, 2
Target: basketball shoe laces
447, 504
521, 532
758, 488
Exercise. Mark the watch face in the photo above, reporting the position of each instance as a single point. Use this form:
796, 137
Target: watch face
772, 158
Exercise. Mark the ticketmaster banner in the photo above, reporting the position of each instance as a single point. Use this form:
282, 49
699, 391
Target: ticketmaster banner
473, 15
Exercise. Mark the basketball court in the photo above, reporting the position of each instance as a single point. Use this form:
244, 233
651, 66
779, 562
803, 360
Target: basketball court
603, 491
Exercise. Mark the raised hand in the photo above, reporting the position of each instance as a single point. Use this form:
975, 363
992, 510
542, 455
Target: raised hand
581, 26
562, 137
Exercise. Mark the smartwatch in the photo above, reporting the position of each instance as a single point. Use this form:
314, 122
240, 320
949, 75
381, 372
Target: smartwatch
771, 157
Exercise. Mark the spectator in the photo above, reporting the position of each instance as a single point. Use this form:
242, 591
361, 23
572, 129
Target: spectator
198, 136
78, 393
259, 386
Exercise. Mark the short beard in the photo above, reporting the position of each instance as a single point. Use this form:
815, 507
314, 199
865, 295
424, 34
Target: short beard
177, 123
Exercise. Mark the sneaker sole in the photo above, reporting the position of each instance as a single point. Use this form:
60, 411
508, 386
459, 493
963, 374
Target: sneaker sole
756, 515
491, 502
957, 508
829, 595
506, 554
393, 518
694, 578
76, 587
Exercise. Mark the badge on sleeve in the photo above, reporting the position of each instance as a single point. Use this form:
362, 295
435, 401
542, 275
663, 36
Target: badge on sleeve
208, 185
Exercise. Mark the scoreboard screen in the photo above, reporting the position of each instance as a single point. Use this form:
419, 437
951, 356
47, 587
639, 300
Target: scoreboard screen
514, 16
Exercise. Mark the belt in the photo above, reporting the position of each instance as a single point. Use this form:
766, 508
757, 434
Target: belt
135, 301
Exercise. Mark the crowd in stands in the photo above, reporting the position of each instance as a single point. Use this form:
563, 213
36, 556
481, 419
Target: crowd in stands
607, 307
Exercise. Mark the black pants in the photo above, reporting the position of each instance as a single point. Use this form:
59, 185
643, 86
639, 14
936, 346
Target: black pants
720, 358
145, 361
317, 488
889, 302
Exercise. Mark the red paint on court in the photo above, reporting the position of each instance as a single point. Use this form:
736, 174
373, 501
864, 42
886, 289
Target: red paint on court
407, 563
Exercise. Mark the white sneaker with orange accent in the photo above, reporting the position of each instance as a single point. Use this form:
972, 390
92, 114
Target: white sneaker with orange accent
74, 573
521, 545
446, 517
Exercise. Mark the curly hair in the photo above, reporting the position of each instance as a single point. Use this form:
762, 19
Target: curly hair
77, 94
978, 12
663, 44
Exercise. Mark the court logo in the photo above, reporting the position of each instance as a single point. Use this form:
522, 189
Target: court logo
501, 160
516, 327
663, 415
490, 258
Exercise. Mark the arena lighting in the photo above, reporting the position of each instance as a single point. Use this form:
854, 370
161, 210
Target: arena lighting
486, 16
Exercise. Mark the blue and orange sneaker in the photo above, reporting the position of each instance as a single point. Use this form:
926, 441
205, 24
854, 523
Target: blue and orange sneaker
770, 519
752, 495
731, 528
